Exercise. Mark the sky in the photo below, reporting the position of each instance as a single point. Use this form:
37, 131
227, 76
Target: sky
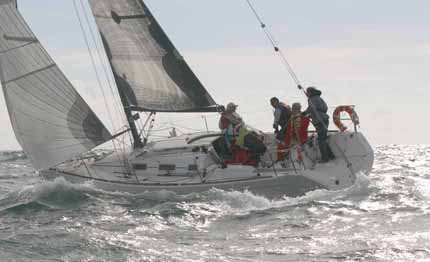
372, 54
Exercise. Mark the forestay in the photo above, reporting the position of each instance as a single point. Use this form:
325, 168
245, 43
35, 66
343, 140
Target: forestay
147, 67
50, 119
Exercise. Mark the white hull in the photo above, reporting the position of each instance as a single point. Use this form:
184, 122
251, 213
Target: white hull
177, 166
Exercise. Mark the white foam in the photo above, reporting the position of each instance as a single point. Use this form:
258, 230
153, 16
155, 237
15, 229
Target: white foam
34, 192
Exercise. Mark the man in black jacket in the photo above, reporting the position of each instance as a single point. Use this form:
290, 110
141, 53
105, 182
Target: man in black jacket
317, 109
281, 114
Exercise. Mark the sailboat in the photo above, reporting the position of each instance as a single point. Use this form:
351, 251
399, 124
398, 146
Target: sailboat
57, 128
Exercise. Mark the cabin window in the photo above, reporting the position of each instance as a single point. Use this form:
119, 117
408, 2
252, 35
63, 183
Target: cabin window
166, 167
140, 166
192, 168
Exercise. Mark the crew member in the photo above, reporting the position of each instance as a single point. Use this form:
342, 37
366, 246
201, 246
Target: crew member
297, 128
281, 114
237, 134
230, 123
317, 109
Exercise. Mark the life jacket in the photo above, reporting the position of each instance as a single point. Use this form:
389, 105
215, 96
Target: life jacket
234, 129
223, 122
240, 131
229, 118
297, 130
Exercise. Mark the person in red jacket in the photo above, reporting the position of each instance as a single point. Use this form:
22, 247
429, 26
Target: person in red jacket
297, 130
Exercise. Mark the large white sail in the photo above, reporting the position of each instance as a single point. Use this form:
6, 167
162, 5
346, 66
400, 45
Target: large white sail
147, 67
50, 119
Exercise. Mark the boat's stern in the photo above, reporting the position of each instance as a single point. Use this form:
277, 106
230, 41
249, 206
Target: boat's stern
354, 148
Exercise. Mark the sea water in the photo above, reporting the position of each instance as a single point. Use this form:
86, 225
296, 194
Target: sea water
384, 217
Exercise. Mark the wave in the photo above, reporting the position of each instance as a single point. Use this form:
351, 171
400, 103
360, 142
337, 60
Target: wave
61, 194
219, 203
9, 156
55, 194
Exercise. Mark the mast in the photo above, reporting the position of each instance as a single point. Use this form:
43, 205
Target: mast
137, 141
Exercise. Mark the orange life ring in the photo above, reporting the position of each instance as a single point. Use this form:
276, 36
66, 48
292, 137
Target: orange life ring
336, 116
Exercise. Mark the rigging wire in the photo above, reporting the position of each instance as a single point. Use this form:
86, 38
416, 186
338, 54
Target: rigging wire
120, 116
108, 76
104, 66
90, 53
95, 69
275, 45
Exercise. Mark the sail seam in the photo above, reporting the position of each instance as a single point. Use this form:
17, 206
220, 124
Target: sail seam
17, 47
132, 16
28, 74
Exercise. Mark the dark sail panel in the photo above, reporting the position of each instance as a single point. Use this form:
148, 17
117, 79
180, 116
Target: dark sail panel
147, 67
50, 119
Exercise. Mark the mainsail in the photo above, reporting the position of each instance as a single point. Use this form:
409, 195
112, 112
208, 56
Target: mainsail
50, 119
148, 69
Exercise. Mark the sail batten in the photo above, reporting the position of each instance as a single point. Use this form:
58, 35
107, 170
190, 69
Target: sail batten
51, 121
147, 67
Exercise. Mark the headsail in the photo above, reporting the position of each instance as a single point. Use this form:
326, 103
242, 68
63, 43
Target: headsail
147, 67
50, 119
